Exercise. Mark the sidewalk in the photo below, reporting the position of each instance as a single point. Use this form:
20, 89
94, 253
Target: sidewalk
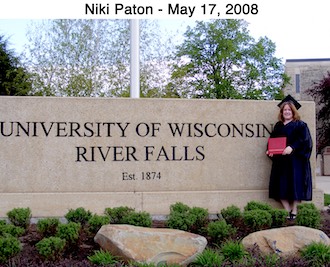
323, 183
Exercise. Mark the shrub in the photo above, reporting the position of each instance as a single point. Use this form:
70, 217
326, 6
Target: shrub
79, 215
231, 213
69, 232
103, 258
96, 222
308, 215
208, 257
50, 248
138, 219
233, 251
255, 205
279, 217
13, 230
220, 230
20, 217
201, 219
326, 199
9, 247
317, 254
48, 226
257, 219
116, 214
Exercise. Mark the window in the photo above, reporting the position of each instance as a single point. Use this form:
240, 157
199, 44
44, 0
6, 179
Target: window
297, 83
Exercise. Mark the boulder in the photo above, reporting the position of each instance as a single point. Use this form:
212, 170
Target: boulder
285, 241
150, 245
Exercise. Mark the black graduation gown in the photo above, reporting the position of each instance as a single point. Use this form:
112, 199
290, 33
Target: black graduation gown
291, 177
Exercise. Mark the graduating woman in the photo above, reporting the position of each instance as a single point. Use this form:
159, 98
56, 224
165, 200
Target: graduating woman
291, 178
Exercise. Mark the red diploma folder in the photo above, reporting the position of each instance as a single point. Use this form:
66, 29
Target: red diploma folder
276, 145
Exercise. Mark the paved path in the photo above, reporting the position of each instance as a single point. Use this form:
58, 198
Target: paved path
323, 183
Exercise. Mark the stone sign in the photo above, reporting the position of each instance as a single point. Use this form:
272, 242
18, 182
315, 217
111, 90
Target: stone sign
58, 154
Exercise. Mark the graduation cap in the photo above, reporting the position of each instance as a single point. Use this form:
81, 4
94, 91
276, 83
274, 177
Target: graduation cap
289, 98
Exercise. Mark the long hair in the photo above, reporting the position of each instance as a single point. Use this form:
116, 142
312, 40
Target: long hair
295, 114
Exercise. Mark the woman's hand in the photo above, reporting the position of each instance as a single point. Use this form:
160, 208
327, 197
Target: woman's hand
269, 154
287, 151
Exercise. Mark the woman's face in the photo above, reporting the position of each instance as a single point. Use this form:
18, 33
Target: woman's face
287, 113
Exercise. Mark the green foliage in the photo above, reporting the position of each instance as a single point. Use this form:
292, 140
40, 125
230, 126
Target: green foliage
278, 217
20, 217
48, 226
79, 215
50, 248
233, 251
96, 222
326, 199
185, 218
138, 219
103, 258
256, 205
13, 230
257, 219
69, 232
231, 213
308, 215
116, 214
317, 254
9, 247
208, 257
220, 230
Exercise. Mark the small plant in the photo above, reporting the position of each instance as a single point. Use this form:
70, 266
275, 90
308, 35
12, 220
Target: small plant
233, 251
317, 254
231, 213
257, 219
201, 219
117, 214
208, 257
48, 226
220, 230
103, 258
9, 247
50, 248
79, 215
13, 230
20, 217
255, 205
279, 217
138, 219
69, 232
326, 200
96, 222
308, 215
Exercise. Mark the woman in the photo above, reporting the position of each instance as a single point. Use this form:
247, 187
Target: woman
291, 179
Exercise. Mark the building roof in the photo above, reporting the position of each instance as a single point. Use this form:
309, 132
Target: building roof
308, 60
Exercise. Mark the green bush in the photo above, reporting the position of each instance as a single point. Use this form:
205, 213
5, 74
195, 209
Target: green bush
256, 205
96, 222
208, 257
13, 230
279, 217
185, 218
317, 254
138, 219
326, 200
51, 248
69, 232
231, 213
220, 230
9, 247
104, 258
233, 251
308, 215
20, 217
257, 219
79, 215
48, 226
117, 214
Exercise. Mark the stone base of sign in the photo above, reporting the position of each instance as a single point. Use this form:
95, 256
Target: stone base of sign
155, 203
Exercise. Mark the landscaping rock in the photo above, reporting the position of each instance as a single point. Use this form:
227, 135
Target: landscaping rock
285, 241
150, 245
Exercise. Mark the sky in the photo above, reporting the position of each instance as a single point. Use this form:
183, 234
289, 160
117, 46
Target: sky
300, 29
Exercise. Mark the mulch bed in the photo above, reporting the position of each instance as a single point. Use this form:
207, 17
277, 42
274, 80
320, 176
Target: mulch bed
77, 256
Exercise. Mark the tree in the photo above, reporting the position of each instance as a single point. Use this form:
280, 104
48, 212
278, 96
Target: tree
92, 57
219, 59
14, 79
321, 93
